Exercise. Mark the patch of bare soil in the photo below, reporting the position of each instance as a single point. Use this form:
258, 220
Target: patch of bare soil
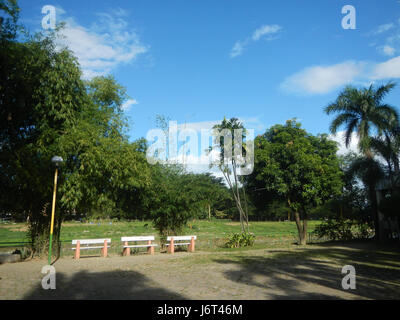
313, 272
234, 224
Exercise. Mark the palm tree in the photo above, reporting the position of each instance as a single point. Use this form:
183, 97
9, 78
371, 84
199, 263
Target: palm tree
370, 172
360, 110
388, 147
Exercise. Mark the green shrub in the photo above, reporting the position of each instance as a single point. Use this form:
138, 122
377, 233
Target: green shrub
341, 229
238, 240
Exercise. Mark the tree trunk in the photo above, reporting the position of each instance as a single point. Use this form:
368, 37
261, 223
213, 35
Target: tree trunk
243, 218
236, 195
374, 207
209, 212
301, 228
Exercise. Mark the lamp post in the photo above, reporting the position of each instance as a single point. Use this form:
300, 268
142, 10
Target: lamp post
56, 161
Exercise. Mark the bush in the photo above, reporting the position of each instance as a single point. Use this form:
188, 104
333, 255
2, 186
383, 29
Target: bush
238, 240
173, 200
341, 229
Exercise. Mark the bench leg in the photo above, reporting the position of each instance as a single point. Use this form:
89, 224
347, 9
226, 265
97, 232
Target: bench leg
104, 250
171, 247
191, 245
150, 250
126, 251
78, 250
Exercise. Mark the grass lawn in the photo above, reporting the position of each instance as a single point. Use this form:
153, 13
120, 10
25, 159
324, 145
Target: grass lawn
211, 234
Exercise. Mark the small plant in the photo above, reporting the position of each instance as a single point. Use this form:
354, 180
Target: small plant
238, 240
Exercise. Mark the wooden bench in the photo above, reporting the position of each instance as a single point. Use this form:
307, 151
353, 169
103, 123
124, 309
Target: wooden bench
127, 248
83, 244
177, 241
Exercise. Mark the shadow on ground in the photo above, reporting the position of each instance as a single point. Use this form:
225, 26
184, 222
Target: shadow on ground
113, 285
319, 269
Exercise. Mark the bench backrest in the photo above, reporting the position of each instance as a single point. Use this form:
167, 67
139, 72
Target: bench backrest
181, 238
91, 241
139, 238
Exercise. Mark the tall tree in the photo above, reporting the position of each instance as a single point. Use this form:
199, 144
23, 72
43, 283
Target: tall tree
360, 111
301, 168
46, 109
40, 95
388, 147
229, 137
173, 200
370, 172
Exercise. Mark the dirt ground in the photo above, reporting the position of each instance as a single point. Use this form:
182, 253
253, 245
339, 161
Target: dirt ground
313, 272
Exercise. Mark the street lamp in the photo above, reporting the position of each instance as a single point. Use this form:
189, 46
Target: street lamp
56, 162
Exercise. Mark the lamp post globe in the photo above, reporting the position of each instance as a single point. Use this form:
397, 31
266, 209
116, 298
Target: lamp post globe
56, 160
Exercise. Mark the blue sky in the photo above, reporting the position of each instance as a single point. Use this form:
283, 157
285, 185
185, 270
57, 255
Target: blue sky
261, 61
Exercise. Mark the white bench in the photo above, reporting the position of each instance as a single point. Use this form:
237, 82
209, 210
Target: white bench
177, 241
83, 244
126, 247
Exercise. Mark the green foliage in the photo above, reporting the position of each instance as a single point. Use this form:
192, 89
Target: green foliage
229, 165
172, 199
176, 196
46, 109
8, 22
238, 240
278, 210
297, 167
361, 109
211, 195
40, 96
301, 168
343, 229
335, 229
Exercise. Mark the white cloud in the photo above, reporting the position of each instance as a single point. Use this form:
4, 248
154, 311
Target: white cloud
128, 104
391, 43
388, 50
59, 11
353, 146
340, 138
237, 49
249, 123
104, 46
322, 79
394, 39
386, 70
198, 126
193, 156
267, 32
382, 28
254, 123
